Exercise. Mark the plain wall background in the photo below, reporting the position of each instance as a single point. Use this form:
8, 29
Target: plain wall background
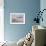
17, 31
43, 6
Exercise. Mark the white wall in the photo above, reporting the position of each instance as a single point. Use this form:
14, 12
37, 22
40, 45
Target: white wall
43, 6
1, 20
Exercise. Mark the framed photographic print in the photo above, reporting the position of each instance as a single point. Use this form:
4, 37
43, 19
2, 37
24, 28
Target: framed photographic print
17, 18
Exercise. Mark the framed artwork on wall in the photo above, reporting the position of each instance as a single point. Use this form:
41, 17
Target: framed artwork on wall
17, 18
